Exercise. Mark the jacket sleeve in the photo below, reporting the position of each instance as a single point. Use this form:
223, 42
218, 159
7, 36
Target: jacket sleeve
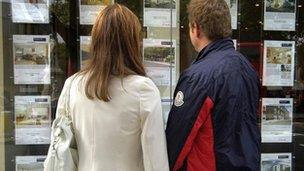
153, 134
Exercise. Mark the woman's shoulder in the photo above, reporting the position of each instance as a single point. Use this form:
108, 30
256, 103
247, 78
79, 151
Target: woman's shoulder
144, 86
141, 82
73, 78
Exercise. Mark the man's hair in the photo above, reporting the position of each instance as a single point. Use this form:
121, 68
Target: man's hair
212, 16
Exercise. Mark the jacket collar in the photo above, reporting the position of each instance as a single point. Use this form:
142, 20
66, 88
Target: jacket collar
222, 44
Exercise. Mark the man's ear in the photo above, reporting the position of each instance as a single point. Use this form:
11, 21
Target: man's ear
198, 32
195, 29
191, 27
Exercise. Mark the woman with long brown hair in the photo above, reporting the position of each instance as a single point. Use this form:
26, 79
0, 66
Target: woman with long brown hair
115, 109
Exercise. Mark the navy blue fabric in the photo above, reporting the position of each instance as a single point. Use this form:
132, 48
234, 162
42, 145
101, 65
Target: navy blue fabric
228, 78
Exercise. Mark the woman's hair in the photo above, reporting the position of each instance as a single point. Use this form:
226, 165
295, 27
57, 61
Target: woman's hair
115, 50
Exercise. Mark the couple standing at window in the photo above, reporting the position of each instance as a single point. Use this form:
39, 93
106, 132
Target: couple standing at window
116, 109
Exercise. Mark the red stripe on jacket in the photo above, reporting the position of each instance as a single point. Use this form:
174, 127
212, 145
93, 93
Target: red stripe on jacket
198, 150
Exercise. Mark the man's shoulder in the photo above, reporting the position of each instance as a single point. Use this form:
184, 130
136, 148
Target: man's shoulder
219, 64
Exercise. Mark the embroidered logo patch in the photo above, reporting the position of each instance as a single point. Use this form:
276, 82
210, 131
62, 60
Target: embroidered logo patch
179, 99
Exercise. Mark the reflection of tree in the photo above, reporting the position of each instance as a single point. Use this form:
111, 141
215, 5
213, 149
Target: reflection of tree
300, 57
61, 10
300, 68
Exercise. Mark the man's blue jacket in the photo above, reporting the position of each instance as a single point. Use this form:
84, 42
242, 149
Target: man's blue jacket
213, 124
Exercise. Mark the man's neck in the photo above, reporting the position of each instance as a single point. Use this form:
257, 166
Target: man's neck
202, 45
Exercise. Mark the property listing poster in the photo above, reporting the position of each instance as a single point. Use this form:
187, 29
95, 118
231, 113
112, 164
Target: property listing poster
30, 11
280, 15
29, 163
277, 120
159, 60
89, 10
31, 59
32, 119
278, 63
276, 162
233, 6
157, 13
84, 50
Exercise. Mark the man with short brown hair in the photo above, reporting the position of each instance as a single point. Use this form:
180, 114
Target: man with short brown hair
213, 123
